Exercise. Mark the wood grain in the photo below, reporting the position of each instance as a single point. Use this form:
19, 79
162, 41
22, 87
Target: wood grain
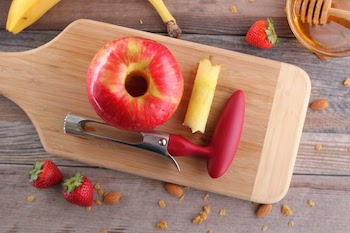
139, 208
322, 176
318, 125
328, 127
60, 88
205, 17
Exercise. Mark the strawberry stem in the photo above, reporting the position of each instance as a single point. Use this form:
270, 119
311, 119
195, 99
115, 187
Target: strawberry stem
33, 174
73, 182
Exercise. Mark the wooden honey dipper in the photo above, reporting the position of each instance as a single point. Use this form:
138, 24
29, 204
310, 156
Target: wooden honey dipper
317, 11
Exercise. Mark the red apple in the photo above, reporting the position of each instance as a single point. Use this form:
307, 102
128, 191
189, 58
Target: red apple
134, 84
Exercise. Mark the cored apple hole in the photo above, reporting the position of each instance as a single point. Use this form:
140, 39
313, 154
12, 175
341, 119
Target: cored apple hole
136, 84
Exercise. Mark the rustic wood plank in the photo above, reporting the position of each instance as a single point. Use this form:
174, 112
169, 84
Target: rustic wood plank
204, 17
10, 111
322, 176
332, 159
138, 210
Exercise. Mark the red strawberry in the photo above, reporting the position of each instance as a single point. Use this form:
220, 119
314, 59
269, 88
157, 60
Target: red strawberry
262, 34
78, 190
45, 174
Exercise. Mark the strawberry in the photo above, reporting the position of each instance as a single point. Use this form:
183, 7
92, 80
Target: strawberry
262, 34
78, 190
45, 174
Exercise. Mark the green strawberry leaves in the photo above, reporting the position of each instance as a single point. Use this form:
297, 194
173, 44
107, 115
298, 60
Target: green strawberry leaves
271, 33
33, 174
72, 183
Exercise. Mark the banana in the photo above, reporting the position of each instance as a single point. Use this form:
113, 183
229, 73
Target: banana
24, 13
173, 28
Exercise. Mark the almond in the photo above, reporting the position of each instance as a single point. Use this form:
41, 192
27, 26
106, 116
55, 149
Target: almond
112, 197
319, 104
263, 210
174, 189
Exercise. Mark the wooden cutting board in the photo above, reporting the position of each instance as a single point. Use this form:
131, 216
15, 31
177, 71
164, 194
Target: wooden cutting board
48, 82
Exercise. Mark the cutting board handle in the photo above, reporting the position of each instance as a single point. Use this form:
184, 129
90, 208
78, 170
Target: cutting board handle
34, 77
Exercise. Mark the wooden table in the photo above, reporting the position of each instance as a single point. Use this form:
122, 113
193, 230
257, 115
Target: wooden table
322, 176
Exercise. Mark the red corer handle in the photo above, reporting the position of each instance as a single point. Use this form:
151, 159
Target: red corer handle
180, 146
224, 142
227, 135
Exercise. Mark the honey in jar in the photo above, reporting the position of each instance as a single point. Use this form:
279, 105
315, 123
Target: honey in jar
329, 39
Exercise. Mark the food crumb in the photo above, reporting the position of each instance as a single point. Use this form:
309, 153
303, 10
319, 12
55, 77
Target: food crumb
346, 82
251, 0
233, 9
161, 225
88, 209
97, 202
348, 149
161, 204
104, 231
200, 218
206, 209
290, 223
205, 198
210, 231
30, 198
98, 189
97, 186
311, 203
264, 228
100, 192
286, 210
197, 220
182, 197
141, 22
223, 212
318, 147
202, 215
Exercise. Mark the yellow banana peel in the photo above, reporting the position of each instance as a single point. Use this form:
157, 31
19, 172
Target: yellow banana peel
24, 13
173, 28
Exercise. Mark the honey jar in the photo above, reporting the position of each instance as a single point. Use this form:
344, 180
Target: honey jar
331, 39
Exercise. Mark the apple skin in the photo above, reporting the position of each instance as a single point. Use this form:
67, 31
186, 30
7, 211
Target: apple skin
153, 69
